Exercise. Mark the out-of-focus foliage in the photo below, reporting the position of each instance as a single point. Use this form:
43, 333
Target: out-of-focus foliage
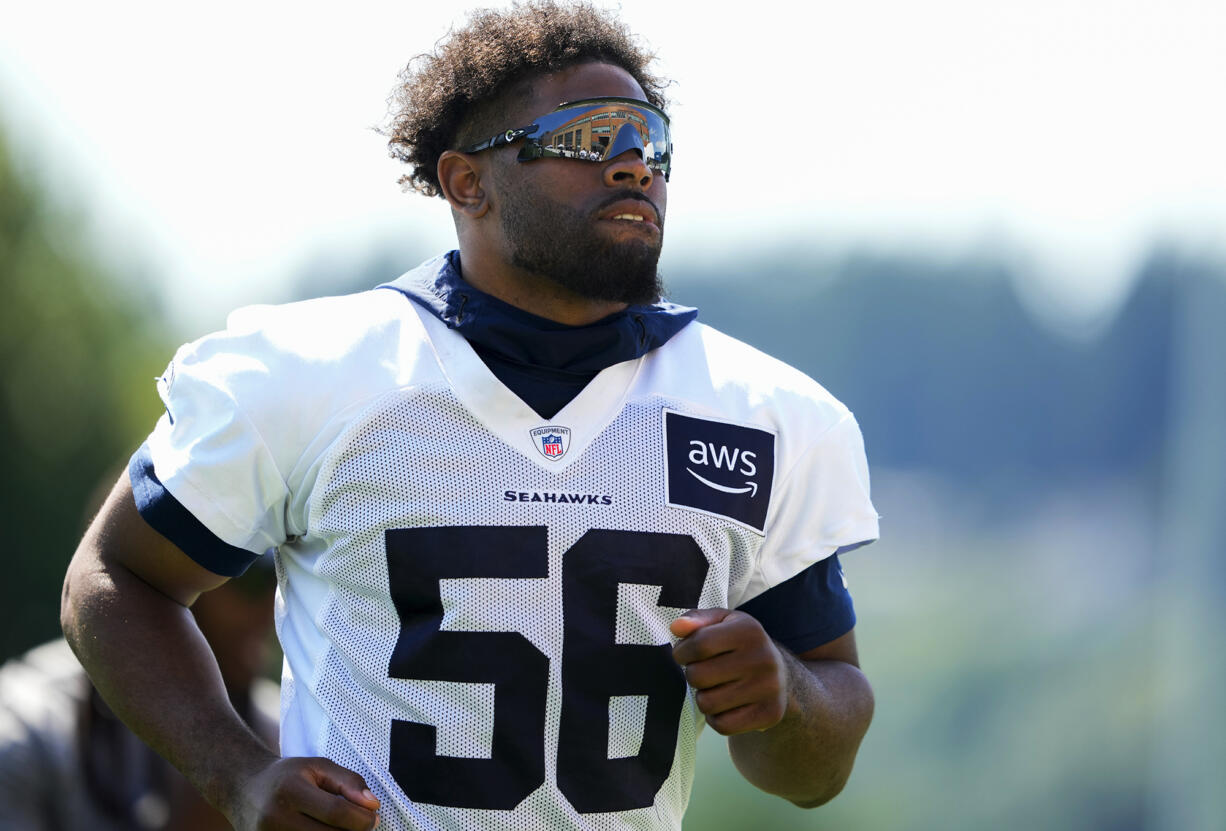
77, 358
946, 370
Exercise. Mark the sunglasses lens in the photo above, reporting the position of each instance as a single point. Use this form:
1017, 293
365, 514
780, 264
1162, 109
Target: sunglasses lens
597, 130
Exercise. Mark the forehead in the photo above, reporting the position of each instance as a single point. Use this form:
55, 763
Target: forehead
585, 80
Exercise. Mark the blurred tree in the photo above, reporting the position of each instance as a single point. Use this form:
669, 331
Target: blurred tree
77, 355
948, 372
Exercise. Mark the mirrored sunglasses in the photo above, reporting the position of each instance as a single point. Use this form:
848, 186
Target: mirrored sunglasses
592, 130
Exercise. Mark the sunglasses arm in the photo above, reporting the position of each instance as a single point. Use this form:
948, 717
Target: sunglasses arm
500, 140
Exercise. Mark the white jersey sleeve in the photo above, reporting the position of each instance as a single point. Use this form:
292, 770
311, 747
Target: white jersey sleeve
210, 453
823, 506
248, 408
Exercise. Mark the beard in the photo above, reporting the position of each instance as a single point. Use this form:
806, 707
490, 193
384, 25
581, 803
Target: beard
562, 245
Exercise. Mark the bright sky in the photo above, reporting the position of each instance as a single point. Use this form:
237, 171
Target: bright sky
222, 146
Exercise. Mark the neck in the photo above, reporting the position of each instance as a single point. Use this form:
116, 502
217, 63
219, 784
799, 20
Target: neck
531, 292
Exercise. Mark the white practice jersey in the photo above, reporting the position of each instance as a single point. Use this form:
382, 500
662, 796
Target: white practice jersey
474, 601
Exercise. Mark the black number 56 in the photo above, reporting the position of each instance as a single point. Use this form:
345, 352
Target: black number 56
594, 667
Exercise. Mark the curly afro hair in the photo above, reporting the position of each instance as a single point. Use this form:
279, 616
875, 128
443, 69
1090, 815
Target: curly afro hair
460, 93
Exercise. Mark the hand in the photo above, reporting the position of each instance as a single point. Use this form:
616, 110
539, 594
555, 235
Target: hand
739, 673
300, 793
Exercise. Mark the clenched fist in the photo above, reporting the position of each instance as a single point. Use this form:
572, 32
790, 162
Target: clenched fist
739, 673
305, 793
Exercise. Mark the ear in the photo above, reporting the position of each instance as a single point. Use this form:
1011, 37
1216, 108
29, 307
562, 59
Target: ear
459, 178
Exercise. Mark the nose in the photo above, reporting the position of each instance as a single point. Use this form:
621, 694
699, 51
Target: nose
628, 169
627, 160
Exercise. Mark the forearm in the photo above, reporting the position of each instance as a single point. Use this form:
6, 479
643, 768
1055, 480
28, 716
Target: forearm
153, 667
807, 757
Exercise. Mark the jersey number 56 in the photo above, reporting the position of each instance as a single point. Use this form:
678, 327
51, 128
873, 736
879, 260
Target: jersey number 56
594, 666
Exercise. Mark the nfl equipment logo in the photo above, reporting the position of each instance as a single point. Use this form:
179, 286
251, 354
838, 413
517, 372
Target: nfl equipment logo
552, 445
552, 441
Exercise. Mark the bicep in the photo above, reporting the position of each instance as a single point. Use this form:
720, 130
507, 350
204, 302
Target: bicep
120, 538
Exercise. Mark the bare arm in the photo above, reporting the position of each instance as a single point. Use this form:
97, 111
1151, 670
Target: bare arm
124, 611
807, 757
794, 722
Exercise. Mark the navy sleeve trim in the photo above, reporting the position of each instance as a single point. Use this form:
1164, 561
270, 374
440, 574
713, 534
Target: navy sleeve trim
808, 610
167, 516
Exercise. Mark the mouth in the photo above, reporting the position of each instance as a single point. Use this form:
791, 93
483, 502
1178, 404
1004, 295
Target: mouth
632, 212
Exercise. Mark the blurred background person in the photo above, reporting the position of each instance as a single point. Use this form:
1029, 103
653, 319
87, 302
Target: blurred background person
68, 764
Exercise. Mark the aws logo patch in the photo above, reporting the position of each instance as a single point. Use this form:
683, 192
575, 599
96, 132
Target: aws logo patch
719, 468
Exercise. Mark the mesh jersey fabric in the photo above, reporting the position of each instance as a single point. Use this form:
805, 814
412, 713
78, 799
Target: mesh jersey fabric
476, 627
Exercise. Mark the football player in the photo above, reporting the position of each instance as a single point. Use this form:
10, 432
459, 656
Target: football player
535, 525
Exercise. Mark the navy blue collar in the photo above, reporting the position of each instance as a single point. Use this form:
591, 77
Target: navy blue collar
526, 339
